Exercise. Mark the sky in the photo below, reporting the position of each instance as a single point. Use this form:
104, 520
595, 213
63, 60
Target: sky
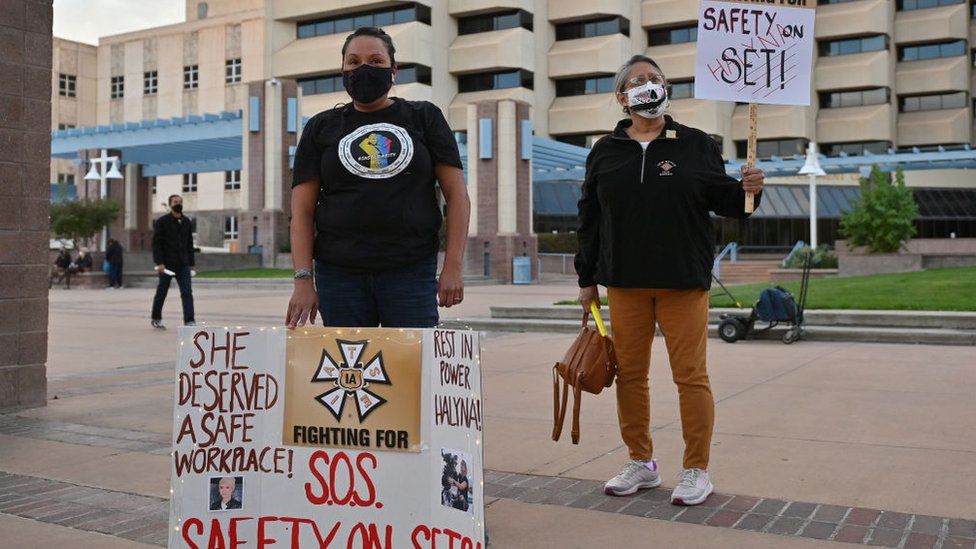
87, 20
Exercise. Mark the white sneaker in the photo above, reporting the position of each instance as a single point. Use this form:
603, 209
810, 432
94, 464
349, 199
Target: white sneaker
693, 489
634, 476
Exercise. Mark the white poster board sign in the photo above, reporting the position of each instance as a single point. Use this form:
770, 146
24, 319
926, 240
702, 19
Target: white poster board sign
755, 51
327, 438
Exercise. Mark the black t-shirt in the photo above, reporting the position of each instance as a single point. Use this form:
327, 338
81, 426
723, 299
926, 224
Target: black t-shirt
377, 207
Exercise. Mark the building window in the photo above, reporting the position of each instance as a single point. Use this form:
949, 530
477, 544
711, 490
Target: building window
854, 98
374, 18
768, 148
859, 148
672, 35
232, 180
584, 86
63, 127
118, 87
848, 46
409, 74
495, 21
66, 178
189, 182
321, 84
67, 85
920, 52
684, 89
933, 102
191, 77
908, 5
150, 82
595, 27
578, 139
232, 72
230, 228
495, 81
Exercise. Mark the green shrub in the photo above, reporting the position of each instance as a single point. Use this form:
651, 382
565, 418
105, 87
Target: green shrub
823, 258
883, 218
558, 243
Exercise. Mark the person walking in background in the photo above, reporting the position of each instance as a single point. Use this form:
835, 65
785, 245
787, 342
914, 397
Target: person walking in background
113, 255
364, 203
173, 255
646, 234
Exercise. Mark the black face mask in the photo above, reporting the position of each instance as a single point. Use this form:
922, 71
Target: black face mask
367, 83
177, 208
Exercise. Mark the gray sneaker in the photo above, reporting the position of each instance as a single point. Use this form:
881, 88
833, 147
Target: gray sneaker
693, 488
634, 476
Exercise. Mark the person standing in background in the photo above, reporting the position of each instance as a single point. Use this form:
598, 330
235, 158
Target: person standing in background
113, 255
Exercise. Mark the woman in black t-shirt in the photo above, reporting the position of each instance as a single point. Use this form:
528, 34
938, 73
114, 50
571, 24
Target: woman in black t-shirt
364, 186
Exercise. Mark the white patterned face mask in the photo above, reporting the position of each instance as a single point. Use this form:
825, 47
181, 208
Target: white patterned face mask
649, 100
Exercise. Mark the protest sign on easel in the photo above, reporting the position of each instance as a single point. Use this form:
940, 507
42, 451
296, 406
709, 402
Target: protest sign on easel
755, 52
327, 437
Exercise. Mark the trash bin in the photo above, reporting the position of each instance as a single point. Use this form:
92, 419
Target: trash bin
522, 270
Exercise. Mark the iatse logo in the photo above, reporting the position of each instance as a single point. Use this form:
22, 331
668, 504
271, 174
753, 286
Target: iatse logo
666, 167
351, 378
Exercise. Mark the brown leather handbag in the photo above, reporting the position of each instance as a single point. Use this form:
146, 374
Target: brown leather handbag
589, 365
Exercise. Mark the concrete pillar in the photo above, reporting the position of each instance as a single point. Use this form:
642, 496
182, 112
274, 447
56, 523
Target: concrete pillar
270, 132
25, 196
500, 187
136, 232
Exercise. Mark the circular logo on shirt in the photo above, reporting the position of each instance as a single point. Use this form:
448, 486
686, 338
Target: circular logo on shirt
376, 151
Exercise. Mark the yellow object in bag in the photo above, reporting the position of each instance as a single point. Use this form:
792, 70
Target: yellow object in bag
595, 311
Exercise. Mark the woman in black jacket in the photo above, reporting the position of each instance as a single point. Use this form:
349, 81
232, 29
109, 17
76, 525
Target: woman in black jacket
646, 234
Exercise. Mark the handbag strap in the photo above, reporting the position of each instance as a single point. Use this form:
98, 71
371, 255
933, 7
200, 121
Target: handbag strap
586, 318
558, 412
577, 397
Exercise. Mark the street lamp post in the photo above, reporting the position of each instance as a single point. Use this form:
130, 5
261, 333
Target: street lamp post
812, 168
103, 176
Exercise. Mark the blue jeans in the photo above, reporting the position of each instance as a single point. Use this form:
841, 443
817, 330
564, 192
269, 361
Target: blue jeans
186, 294
115, 275
405, 297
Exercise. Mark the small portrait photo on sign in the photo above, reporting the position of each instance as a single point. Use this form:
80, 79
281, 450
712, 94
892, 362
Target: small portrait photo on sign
226, 493
456, 490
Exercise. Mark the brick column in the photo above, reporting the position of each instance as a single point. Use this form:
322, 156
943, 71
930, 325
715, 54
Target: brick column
25, 147
501, 191
267, 174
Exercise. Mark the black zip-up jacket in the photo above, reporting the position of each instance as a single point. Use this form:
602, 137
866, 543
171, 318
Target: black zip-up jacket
644, 215
173, 241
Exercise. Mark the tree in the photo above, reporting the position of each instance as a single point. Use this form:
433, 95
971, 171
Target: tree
79, 220
883, 219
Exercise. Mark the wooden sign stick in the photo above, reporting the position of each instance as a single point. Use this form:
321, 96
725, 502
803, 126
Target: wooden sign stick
750, 205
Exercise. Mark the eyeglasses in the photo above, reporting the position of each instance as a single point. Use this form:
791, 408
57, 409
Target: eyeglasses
642, 80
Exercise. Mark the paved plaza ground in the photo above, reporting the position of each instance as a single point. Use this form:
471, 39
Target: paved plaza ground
816, 444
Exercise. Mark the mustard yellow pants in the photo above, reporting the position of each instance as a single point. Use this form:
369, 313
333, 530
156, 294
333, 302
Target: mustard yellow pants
683, 318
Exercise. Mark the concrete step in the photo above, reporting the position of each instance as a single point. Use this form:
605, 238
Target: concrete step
862, 334
813, 317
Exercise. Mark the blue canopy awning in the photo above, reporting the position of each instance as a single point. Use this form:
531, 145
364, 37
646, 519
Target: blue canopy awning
188, 144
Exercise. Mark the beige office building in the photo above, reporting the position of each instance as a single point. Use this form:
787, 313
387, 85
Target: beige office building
888, 74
